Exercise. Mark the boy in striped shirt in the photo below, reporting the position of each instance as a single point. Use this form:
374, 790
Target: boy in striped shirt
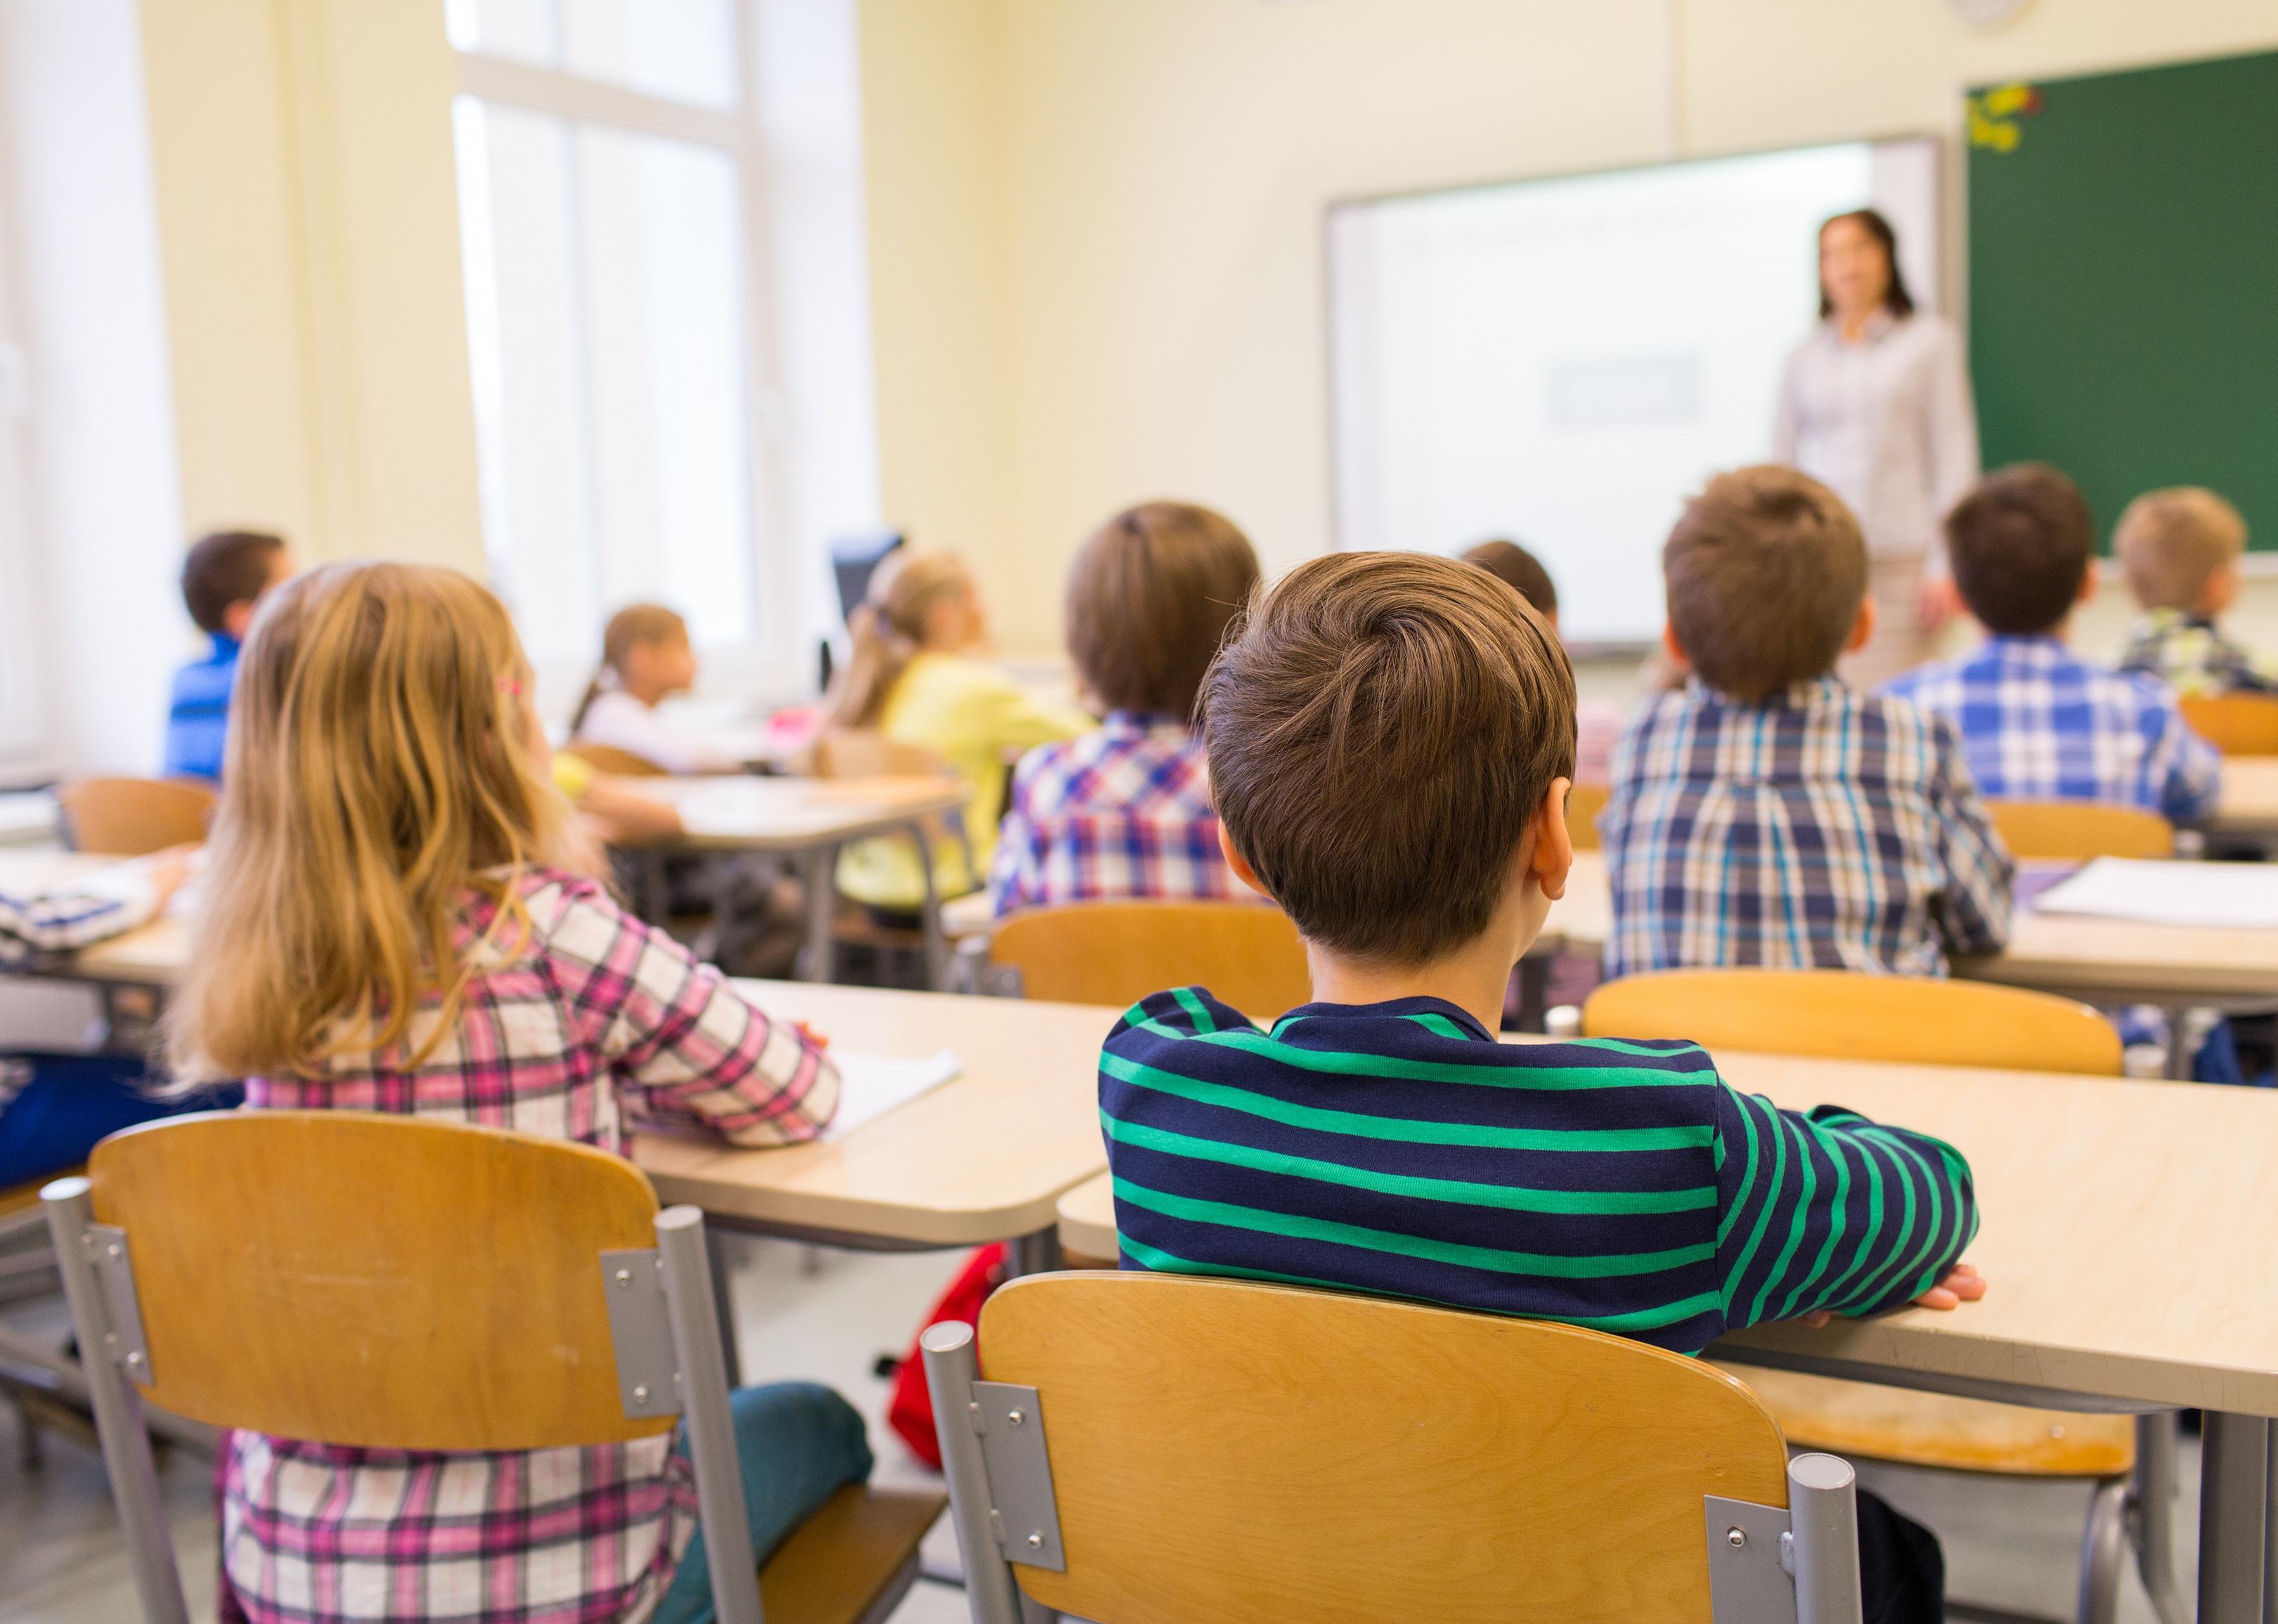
1391, 738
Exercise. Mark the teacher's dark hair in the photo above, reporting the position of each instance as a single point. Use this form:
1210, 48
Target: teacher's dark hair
1896, 299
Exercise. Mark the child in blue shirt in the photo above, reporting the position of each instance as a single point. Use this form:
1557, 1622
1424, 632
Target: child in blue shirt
224, 577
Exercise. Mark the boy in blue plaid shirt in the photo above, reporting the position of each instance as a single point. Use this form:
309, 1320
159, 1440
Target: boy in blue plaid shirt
2179, 550
1764, 814
2039, 722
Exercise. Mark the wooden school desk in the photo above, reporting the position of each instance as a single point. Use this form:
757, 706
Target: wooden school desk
2130, 1246
809, 820
2105, 962
2248, 809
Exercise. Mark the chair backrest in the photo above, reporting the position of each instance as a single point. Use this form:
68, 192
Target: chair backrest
133, 817
2235, 724
1116, 953
1847, 1015
376, 1280
866, 752
610, 759
2081, 829
1584, 802
1223, 1451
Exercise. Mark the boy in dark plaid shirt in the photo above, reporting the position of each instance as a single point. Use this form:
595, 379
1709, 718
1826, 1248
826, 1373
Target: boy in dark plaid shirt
1766, 815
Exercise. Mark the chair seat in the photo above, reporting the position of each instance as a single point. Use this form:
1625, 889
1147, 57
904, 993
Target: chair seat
1926, 1429
861, 1550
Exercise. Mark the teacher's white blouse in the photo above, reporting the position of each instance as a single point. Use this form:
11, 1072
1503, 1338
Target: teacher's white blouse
1885, 422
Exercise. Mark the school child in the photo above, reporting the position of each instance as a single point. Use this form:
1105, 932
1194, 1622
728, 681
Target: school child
1380, 1139
1126, 810
2039, 722
1764, 814
2179, 551
224, 577
646, 659
425, 936
1597, 722
918, 673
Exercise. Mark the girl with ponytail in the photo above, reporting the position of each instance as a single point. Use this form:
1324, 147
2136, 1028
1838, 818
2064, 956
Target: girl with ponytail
918, 674
646, 659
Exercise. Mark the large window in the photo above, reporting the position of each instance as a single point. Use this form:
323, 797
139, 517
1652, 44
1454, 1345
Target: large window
608, 179
23, 709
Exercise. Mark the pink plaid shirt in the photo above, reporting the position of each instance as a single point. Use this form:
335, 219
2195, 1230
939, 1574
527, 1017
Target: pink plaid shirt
1122, 812
594, 1022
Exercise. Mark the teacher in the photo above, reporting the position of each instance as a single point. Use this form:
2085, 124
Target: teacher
1875, 404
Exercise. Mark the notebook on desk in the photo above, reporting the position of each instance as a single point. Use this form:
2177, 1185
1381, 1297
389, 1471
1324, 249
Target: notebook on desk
872, 1085
2235, 896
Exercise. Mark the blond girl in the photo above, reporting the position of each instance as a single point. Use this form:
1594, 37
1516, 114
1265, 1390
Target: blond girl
646, 659
401, 916
917, 674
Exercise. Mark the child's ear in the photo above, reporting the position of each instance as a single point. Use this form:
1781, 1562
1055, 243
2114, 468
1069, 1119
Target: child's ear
1862, 628
1554, 841
1671, 647
237, 620
1235, 861
2220, 592
2090, 579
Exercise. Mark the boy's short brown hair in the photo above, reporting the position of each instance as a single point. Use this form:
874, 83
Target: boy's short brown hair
2020, 545
1149, 598
1766, 570
1520, 570
228, 567
2171, 542
1382, 728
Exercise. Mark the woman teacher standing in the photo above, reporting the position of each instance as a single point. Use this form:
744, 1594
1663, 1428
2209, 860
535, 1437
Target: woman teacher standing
1875, 404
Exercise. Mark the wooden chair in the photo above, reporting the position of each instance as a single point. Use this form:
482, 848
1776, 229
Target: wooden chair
2235, 724
337, 1296
1118, 952
1584, 802
133, 817
616, 762
1159, 1448
1844, 1015
1841, 1014
2079, 830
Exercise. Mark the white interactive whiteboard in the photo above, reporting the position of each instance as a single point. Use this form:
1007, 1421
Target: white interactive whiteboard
1564, 360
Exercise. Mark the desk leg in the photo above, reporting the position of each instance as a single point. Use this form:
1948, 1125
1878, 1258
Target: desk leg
2233, 1508
2179, 1044
1033, 1254
723, 1301
937, 943
819, 868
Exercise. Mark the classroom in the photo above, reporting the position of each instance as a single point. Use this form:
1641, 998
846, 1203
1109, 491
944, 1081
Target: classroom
1161, 812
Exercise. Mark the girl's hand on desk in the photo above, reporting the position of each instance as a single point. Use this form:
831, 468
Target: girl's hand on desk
818, 1039
1957, 1286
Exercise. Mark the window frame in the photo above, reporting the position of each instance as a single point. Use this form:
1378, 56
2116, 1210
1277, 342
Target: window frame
772, 659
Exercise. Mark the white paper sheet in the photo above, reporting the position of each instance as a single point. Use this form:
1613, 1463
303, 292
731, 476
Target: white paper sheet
872, 1085
2242, 896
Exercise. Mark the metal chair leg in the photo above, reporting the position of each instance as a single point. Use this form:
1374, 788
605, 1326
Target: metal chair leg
2151, 1506
2102, 1544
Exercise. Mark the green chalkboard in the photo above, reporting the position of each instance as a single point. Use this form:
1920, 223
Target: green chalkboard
2123, 280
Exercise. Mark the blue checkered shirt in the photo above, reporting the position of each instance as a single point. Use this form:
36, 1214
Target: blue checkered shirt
2038, 724
197, 713
1820, 830
1119, 812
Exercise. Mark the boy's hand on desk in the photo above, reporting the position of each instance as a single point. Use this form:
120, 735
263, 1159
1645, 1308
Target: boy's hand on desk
1957, 1286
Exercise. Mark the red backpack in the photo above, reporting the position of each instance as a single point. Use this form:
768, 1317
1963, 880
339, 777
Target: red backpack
911, 1413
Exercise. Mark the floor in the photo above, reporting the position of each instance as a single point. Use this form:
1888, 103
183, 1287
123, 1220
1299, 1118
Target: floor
2009, 1545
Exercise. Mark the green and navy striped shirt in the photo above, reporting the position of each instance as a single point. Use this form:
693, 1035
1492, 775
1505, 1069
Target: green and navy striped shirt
1398, 1148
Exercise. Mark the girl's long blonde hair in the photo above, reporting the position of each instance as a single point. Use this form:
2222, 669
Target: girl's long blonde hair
384, 766
889, 630
629, 627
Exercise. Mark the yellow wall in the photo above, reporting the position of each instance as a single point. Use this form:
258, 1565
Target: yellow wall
1096, 224
309, 231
